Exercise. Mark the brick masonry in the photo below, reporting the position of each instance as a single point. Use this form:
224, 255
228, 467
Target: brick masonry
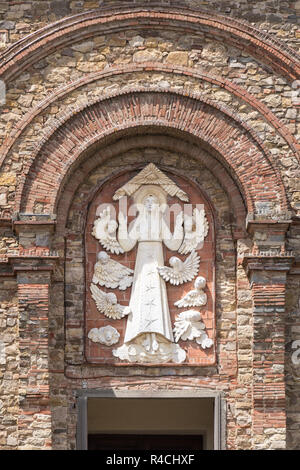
199, 119
208, 97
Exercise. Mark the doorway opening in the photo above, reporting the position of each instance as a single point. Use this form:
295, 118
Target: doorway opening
150, 423
141, 422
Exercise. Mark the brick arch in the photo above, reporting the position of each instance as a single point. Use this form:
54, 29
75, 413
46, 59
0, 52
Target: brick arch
231, 87
234, 144
163, 142
108, 19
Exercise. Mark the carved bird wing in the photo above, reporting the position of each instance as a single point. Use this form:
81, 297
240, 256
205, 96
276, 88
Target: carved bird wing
106, 234
170, 275
188, 300
187, 271
106, 306
191, 267
112, 275
101, 276
194, 237
194, 298
120, 274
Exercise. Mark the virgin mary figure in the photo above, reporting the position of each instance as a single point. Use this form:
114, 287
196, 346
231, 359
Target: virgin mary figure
149, 336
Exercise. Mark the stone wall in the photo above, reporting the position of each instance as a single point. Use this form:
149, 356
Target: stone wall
213, 96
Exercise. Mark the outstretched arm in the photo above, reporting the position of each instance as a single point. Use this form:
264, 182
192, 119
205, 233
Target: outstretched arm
174, 241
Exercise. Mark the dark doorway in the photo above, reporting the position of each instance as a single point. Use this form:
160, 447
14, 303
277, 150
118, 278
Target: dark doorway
164, 420
169, 442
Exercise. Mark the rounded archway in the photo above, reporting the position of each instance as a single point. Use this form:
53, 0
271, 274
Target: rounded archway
241, 153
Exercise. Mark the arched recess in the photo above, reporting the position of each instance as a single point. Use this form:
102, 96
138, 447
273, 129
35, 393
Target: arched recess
153, 139
233, 143
73, 208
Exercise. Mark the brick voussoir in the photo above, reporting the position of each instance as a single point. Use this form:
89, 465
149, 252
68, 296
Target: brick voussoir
226, 84
177, 99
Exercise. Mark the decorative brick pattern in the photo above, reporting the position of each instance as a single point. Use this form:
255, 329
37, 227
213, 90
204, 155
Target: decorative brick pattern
151, 66
34, 410
163, 143
268, 288
198, 117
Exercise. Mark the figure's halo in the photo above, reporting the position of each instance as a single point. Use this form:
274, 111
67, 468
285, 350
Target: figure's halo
151, 175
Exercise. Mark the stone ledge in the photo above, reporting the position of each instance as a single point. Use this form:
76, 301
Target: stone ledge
34, 225
275, 223
84, 371
268, 263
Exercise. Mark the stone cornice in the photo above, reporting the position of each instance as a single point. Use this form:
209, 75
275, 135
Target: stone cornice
266, 224
282, 263
34, 225
18, 262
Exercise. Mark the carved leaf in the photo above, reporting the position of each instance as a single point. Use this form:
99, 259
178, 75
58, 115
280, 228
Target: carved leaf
189, 327
106, 335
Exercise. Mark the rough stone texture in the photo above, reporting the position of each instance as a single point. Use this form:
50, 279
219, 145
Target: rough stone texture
216, 108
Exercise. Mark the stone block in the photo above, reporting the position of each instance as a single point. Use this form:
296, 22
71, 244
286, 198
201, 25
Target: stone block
83, 47
151, 55
178, 58
7, 25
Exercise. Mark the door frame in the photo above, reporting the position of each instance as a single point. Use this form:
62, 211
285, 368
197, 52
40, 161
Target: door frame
84, 394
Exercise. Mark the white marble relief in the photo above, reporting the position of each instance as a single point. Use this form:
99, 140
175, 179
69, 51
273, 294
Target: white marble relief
195, 297
107, 335
150, 316
107, 303
105, 230
180, 271
148, 335
150, 348
151, 175
111, 274
195, 231
188, 327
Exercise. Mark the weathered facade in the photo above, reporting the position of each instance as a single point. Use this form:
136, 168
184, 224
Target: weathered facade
91, 93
